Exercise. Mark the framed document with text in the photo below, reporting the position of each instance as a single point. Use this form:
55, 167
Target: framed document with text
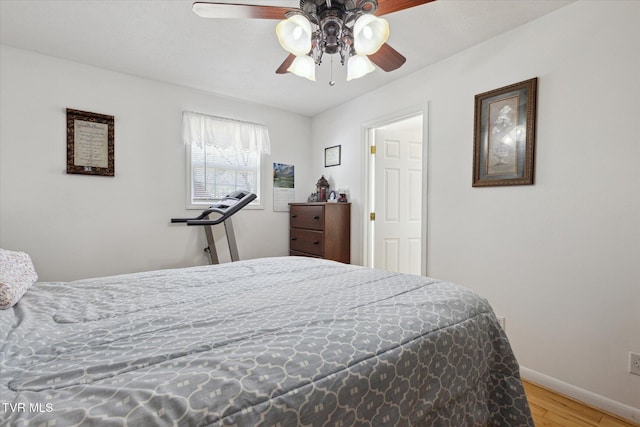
332, 156
90, 148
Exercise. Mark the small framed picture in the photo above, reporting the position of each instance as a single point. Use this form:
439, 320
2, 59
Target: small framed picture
332, 156
504, 137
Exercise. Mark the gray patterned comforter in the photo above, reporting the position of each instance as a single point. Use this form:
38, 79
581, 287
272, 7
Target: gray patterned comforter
272, 342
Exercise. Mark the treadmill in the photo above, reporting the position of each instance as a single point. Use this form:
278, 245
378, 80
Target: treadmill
225, 208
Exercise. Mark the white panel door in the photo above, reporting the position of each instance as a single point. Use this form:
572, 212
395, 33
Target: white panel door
398, 200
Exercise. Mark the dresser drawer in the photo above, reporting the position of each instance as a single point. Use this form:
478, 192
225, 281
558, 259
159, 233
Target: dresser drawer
310, 217
308, 241
296, 253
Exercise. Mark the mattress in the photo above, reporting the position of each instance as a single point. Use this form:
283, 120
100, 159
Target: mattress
286, 341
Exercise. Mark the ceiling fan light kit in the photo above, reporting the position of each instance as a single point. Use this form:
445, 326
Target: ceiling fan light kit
349, 33
351, 29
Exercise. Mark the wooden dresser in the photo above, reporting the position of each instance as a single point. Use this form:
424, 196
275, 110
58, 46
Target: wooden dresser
321, 230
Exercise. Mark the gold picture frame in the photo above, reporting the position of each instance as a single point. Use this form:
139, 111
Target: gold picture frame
90, 146
504, 135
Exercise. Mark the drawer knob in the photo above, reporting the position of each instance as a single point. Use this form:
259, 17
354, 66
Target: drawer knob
294, 238
316, 242
316, 217
294, 216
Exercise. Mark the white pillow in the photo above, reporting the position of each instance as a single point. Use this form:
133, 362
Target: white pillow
17, 274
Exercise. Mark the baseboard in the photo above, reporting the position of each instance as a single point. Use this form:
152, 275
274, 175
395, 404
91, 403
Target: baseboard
592, 399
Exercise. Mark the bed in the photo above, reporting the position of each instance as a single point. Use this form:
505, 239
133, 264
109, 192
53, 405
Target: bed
285, 341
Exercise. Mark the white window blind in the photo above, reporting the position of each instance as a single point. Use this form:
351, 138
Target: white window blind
223, 156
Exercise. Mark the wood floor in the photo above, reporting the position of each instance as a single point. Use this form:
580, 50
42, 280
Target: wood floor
554, 410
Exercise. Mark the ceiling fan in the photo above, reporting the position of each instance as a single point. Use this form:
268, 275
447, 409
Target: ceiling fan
351, 29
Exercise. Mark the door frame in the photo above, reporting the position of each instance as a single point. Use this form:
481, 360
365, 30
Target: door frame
368, 130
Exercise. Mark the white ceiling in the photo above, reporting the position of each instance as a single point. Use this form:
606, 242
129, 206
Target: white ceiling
164, 40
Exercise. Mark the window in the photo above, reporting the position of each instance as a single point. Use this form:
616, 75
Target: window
223, 156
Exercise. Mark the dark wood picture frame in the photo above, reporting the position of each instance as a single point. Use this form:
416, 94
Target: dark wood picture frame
90, 146
504, 135
332, 156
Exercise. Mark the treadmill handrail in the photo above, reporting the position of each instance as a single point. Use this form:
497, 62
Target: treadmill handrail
225, 213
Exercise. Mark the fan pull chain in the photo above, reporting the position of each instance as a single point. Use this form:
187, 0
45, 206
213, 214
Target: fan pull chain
332, 82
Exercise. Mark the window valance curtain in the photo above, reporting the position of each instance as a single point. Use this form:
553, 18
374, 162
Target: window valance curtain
201, 129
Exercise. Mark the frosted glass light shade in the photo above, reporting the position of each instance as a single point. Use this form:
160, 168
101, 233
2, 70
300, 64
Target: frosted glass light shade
358, 66
294, 34
303, 66
369, 34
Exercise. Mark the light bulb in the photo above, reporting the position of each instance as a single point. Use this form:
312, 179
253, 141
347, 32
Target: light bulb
303, 66
294, 34
369, 34
358, 66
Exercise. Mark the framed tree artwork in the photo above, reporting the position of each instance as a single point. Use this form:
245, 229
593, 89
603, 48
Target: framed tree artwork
504, 135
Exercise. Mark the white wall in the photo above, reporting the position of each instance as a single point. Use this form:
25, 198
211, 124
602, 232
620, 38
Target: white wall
77, 226
560, 259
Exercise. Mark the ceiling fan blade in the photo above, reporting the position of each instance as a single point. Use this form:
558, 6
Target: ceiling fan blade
390, 6
240, 11
282, 69
387, 58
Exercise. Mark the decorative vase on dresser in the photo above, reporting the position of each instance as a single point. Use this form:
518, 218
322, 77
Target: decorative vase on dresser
320, 230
